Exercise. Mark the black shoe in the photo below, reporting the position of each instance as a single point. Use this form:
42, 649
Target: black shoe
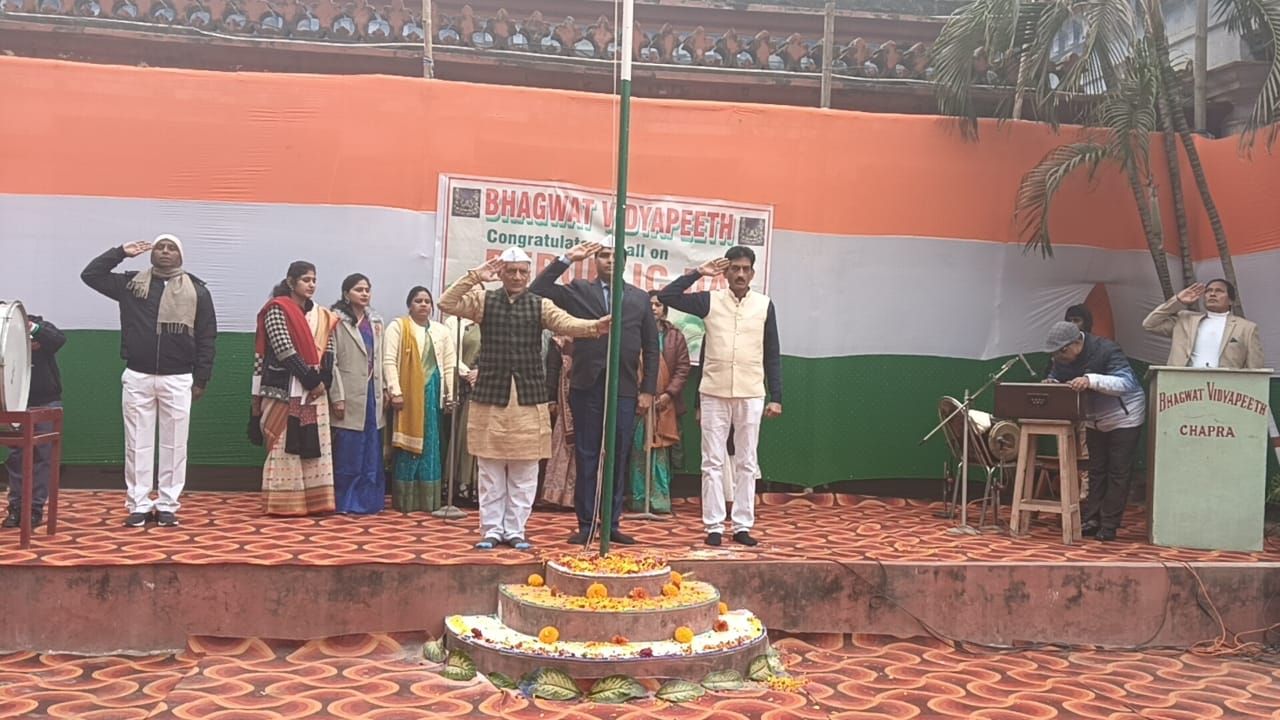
713, 539
742, 537
621, 539
137, 519
1090, 528
578, 538
12, 520
1106, 534
164, 518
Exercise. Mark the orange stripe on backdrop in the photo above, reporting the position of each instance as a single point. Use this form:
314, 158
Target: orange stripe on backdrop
1244, 190
130, 132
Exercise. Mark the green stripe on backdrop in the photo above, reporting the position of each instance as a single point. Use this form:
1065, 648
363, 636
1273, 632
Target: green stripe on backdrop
847, 418
91, 368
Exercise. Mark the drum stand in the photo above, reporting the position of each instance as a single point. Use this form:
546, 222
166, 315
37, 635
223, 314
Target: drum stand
963, 527
648, 472
448, 511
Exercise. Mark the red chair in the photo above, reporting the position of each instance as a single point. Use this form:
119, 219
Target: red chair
28, 439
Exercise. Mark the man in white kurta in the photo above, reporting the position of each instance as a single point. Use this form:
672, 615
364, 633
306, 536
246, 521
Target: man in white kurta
741, 382
509, 422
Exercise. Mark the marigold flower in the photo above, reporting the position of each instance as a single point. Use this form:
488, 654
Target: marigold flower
684, 635
720, 626
638, 594
535, 580
670, 590
723, 608
596, 590
676, 578
619, 640
548, 635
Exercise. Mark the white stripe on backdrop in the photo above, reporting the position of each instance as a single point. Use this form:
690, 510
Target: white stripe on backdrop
239, 250
836, 296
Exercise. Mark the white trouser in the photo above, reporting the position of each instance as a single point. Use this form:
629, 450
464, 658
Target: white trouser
144, 398
718, 415
507, 489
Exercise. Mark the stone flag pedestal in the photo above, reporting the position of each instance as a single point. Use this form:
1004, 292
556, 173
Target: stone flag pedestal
1207, 457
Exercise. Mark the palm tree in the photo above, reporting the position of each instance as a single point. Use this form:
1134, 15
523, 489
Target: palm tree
1125, 119
1016, 36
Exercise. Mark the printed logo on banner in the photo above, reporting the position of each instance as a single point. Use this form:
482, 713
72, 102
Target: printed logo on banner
752, 231
466, 203
665, 236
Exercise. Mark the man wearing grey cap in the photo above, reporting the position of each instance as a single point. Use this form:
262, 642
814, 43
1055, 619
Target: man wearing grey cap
1116, 409
168, 330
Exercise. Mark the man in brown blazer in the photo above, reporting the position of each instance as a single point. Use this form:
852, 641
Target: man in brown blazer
1213, 339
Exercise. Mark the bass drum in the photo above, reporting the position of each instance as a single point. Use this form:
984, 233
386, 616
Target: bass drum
15, 357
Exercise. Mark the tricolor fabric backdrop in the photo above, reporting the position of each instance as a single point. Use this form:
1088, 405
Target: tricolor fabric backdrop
894, 262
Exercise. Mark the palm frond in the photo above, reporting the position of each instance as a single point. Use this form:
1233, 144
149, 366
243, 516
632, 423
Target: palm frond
1039, 186
1258, 21
1128, 112
982, 24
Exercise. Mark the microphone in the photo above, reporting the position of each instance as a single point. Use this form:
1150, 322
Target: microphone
1026, 364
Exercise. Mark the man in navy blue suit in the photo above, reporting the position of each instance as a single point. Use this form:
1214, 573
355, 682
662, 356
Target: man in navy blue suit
591, 299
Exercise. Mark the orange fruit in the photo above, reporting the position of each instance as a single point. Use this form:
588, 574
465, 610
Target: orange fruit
548, 635
684, 635
596, 590
535, 580
676, 578
670, 590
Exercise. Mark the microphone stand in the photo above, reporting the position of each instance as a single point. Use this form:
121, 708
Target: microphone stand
963, 528
448, 511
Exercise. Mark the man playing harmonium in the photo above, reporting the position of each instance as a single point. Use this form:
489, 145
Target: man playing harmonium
1116, 409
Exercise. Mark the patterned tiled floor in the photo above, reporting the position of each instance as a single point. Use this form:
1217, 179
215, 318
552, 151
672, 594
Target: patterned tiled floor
229, 527
381, 677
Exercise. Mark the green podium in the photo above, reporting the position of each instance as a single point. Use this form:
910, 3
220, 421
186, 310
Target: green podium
1207, 457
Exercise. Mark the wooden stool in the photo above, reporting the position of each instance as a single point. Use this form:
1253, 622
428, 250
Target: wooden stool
28, 439
1068, 502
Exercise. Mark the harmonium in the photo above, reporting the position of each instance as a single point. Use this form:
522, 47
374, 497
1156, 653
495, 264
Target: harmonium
1040, 401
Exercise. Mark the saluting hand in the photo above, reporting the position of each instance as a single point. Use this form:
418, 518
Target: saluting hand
489, 270
1191, 294
712, 268
582, 251
136, 248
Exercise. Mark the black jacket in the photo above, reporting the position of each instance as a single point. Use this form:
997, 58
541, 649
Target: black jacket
46, 381
142, 348
583, 299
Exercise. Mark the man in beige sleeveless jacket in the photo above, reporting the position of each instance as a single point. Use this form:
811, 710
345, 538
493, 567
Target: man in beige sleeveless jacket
741, 381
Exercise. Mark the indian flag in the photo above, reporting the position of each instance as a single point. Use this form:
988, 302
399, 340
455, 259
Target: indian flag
894, 264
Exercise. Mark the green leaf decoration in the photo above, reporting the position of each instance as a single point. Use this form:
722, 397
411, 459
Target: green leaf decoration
500, 681
759, 669
434, 651
616, 689
723, 680
554, 684
459, 666
680, 691
775, 663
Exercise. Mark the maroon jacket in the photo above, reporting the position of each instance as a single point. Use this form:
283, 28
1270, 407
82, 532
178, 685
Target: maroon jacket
675, 351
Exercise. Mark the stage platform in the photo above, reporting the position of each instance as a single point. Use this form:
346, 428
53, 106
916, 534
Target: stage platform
827, 564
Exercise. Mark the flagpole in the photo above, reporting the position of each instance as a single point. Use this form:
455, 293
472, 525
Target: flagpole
627, 36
